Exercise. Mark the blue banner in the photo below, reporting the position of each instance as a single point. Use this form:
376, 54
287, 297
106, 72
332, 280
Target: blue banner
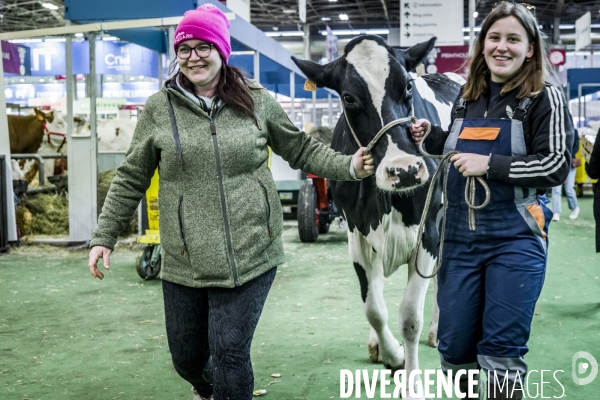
125, 59
117, 58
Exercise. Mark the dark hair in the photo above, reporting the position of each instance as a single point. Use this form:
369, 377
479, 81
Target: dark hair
233, 88
531, 78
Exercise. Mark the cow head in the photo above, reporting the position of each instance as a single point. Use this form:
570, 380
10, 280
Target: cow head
375, 88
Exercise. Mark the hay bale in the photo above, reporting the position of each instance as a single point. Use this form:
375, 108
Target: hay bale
323, 134
50, 213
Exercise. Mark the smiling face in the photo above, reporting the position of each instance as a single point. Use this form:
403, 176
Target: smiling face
506, 48
204, 73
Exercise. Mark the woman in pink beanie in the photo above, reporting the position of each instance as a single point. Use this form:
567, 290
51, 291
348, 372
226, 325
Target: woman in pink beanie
221, 221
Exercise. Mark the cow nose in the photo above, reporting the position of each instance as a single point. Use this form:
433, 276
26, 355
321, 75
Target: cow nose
393, 172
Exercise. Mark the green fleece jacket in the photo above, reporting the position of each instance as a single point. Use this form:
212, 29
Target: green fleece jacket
219, 212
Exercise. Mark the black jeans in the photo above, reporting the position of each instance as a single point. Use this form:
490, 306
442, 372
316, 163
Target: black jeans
220, 323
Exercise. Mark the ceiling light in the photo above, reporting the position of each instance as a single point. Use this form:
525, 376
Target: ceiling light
42, 80
344, 17
79, 34
289, 11
355, 32
475, 14
275, 28
325, 19
132, 78
332, 1
50, 6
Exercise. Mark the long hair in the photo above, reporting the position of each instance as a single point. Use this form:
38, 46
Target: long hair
531, 78
233, 88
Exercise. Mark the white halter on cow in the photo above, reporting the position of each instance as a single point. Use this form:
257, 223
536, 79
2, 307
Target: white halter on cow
383, 212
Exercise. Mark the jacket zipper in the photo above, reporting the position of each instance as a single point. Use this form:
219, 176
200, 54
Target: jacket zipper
180, 216
213, 132
267, 208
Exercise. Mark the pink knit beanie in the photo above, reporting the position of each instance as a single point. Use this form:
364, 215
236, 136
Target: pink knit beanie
206, 23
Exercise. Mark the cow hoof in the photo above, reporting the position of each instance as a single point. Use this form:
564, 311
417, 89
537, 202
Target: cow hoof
433, 340
394, 369
374, 352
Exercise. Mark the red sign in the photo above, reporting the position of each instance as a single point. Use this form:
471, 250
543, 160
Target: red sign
447, 59
557, 57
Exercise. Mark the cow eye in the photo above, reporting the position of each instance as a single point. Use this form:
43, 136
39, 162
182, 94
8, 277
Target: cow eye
348, 99
409, 87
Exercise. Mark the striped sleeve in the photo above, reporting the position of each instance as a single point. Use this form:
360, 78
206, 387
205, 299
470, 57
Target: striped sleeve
551, 132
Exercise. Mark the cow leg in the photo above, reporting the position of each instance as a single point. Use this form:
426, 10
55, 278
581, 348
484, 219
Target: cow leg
391, 354
435, 316
382, 344
411, 309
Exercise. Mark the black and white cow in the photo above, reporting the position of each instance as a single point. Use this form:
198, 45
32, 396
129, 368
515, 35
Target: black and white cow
383, 212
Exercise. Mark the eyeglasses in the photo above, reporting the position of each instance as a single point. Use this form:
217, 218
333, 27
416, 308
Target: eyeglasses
202, 51
530, 8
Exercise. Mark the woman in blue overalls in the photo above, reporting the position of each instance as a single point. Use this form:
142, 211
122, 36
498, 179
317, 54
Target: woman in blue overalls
514, 130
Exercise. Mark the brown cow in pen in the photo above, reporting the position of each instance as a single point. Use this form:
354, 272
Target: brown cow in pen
27, 132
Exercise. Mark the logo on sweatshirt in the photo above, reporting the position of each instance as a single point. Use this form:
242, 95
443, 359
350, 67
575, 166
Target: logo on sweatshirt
509, 112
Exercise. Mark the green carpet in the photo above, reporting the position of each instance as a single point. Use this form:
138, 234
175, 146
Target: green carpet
64, 335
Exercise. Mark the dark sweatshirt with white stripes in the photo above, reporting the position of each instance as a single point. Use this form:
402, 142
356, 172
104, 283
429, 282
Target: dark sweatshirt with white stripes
548, 129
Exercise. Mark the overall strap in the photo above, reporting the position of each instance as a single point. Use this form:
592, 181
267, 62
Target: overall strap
522, 108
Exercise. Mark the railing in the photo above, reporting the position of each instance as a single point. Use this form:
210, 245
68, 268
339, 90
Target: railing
40, 159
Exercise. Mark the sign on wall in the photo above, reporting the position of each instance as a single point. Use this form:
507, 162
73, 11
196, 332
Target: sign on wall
421, 20
15, 59
120, 58
447, 59
583, 31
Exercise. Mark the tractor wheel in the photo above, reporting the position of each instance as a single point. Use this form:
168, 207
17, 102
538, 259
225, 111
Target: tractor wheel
145, 267
308, 215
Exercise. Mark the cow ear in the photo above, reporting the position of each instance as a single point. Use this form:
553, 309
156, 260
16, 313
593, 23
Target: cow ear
39, 114
319, 74
417, 53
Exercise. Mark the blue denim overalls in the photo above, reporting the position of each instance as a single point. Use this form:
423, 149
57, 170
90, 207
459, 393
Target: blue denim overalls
490, 277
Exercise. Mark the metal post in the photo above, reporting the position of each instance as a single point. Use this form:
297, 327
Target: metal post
5, 150
314, 108
257, 66
306, 40
161, 77
471, 23
292, 97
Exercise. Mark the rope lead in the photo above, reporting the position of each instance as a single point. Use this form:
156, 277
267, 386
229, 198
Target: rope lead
469, 199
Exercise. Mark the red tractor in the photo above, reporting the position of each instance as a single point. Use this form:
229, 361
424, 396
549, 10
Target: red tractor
316, 209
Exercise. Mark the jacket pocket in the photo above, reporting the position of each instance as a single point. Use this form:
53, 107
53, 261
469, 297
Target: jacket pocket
180, 219
267, 208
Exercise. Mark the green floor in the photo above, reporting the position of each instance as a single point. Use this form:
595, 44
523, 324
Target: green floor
64, 335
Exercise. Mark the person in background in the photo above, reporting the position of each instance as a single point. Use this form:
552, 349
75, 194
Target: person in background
221, 221
513, 129
569, 186
592, 169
